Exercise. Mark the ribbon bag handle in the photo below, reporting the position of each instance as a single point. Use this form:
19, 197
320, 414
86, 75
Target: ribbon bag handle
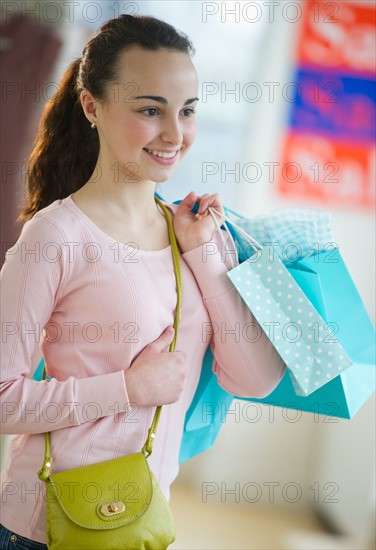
147, 449
255, 244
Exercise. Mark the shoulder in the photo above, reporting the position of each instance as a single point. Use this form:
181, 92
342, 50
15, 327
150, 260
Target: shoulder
58, 219
51, 226
171, 206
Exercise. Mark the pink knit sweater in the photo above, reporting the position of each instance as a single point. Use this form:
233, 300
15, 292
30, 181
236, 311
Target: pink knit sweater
92, 305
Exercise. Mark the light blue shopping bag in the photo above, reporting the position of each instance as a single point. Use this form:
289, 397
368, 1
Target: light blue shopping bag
329, 286
303, 339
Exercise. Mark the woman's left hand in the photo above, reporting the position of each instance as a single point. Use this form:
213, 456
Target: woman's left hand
191, 230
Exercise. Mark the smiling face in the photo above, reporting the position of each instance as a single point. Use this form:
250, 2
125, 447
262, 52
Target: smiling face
136, 129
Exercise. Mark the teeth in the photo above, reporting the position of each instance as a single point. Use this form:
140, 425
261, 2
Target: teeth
162, 155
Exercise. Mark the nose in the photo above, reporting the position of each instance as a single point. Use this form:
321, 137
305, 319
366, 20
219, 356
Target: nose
171, 131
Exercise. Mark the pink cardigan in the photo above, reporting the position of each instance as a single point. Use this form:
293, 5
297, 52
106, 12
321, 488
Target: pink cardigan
93, 304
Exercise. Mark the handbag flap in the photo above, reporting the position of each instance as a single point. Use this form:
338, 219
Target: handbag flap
105, 495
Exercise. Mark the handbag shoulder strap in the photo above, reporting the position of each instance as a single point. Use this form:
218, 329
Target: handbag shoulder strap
147, 449
148, 446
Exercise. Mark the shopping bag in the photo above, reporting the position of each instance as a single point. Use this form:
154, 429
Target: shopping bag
301, 336
205, 415
330, 288
303, 339
328, 285
293, 233
210, 403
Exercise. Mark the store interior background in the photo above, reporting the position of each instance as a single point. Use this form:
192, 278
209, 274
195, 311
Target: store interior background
321, 456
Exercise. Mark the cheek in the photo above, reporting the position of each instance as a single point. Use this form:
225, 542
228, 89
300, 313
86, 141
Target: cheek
134, 132
138, 132
190, 134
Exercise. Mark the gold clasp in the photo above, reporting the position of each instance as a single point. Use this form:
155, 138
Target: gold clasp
111, 508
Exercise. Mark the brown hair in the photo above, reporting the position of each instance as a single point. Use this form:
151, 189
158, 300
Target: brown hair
66, 148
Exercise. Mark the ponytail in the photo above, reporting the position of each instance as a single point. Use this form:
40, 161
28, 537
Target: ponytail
66, 148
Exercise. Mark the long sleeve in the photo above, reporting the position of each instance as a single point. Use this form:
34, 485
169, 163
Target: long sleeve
32, 281
245, 361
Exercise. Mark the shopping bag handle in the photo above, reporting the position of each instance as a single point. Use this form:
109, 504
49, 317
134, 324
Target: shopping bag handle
255, 244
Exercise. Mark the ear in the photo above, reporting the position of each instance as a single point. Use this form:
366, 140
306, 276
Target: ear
89, 105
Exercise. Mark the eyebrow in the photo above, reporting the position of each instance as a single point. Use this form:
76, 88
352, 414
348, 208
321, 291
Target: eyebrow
163, 99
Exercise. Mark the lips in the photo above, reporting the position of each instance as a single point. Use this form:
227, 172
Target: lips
161, 154
160, 159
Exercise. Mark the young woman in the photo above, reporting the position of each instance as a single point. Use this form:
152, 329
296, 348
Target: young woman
91, 278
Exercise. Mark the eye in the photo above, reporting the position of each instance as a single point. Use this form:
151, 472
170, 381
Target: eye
190, 112
149, 109
152, 111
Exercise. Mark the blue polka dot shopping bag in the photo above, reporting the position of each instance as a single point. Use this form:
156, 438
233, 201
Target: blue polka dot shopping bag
300, 335
304, 340
310, 309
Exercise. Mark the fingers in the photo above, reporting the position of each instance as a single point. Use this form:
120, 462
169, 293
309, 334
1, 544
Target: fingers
204, 201
188, 202
207, 200
199, 216
164, 340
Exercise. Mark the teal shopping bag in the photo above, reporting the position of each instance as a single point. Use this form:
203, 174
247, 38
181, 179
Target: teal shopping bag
204, 418
39, 371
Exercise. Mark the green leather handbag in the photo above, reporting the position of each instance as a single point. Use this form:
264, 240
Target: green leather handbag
115, 504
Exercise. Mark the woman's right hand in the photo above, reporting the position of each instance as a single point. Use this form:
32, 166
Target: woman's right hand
156, 377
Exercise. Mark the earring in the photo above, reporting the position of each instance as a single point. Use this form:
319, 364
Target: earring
93, 125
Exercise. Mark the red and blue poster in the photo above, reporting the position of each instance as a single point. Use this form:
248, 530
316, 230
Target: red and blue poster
329, 149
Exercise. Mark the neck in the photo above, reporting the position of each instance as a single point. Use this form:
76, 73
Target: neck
120, 198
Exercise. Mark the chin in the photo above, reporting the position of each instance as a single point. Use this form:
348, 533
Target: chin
161, 177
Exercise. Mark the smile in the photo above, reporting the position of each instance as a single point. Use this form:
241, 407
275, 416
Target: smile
162, 154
